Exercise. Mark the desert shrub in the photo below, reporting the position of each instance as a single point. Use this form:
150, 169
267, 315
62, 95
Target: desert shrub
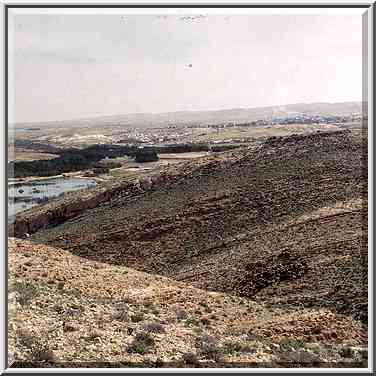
155, 311
60, 285
301, 357
234, 331
346, 352
41, 352
137, 317
121, 315
208, 347
148, 303
58, 308
98, 170
26, 292
288, 344
181, 314
141, 343
159, 363
110, 164
207, 309
190, 358
93, 335
69, 327
232, 347
25, 338
154, 327
191, 321
198, 330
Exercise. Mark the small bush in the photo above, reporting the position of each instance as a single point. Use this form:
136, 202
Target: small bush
346, 352
190, 358
302, 357
181, 314
69, 328
208, 309
25, 338
93, 335
26, 292
191, 321
208, 347
137, 317
121, 315
155, 311
232, 347
148, 304
289, 344
154, 327
159, 363
141, 344
41, 352
58, 308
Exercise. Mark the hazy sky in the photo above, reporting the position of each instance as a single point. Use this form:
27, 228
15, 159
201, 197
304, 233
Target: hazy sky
72, 66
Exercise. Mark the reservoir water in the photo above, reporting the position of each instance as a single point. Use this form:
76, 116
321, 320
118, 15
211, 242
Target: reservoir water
22, 196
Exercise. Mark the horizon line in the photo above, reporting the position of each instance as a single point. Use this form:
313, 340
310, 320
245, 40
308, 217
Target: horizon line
92, 117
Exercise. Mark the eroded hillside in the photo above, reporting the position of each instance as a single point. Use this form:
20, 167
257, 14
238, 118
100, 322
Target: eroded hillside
280, 226
231, 223
67, 311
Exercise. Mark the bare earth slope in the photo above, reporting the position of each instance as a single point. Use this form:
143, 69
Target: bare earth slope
66, 311
284, 222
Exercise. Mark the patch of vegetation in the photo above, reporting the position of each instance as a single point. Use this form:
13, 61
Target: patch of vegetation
154, 327
207, 309
109, 164
347, 352
141, 344
288, 344
181, 314
27, 291
93, 335
208, 347
137, 317
69, 160
41, 352
121, 315
232, 347
191, 321
146, 155
190, 358
25, 338
301, 357
69, 327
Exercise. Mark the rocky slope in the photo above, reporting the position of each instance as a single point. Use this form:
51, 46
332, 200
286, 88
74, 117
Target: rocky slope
300, 198
66, 311
281, 226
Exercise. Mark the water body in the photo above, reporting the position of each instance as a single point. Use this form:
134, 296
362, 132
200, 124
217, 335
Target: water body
23, 196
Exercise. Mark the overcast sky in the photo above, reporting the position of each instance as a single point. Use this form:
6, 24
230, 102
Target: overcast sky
73, 66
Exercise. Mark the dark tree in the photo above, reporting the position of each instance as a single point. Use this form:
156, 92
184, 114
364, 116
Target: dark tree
146, 155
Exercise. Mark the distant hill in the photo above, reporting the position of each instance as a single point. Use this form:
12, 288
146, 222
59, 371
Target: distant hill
146, 120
